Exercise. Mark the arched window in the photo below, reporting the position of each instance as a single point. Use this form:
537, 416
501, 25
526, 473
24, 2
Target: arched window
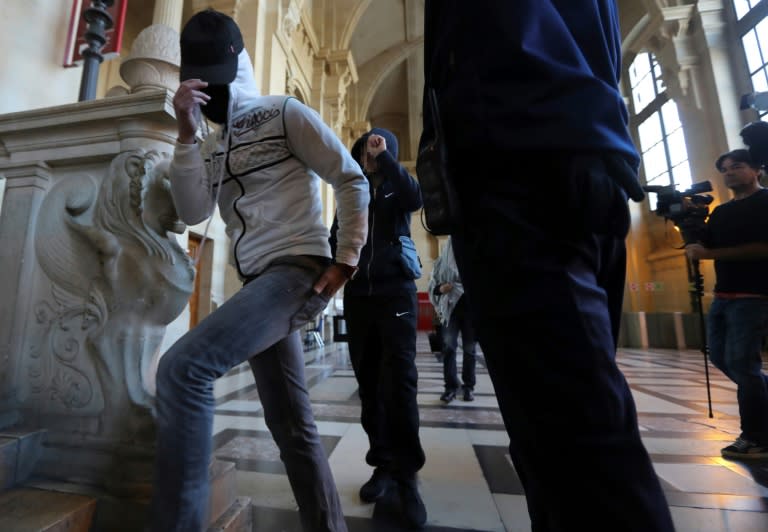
752, 27
662, 140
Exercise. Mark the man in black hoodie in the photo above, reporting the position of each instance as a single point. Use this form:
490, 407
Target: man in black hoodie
380, 313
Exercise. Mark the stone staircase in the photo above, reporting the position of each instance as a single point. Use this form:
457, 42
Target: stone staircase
229, 513
32, 504
31, 510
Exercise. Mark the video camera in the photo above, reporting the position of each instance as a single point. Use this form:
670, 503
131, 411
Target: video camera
688, 209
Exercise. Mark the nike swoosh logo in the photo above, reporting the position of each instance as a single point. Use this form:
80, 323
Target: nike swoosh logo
388, 195
398, 314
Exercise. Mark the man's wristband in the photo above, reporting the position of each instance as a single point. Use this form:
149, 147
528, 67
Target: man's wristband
349, 271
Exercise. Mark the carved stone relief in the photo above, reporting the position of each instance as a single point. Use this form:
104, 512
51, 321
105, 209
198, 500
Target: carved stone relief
341, 73
674, 35
291, 17
296, 35
117, 278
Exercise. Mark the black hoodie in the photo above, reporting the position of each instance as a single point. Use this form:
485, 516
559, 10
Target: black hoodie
389, 216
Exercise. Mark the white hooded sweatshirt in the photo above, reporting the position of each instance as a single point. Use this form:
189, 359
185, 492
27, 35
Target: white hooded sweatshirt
269, 159
444, 271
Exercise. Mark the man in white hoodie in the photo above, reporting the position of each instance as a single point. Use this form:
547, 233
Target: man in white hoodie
262, 167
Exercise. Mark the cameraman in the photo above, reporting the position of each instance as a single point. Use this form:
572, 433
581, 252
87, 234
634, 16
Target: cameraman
736, 238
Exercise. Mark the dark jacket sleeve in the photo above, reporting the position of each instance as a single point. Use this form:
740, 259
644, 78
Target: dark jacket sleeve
406, 187
332, 239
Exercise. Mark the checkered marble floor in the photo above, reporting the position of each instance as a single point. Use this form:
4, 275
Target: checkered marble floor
468, 482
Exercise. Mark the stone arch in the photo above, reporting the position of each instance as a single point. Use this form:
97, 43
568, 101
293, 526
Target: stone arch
352, 22
375, 71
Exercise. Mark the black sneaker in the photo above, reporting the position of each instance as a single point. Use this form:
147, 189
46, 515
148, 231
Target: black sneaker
745, 449
414, 512
469, 395
377, 485
448, 396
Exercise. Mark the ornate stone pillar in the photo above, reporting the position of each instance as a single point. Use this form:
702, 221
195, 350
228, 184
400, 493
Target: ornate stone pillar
26, 185
341, 73
415, 68
727, 71
699, 72
295, 34
317, 93
677, 51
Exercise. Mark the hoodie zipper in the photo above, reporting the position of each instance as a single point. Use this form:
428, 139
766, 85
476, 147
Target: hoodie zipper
373, 248
234, 204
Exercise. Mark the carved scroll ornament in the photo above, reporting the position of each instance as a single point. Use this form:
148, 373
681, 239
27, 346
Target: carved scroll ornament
118, 278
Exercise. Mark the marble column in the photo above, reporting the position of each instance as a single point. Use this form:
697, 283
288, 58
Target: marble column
168, 12
228, 7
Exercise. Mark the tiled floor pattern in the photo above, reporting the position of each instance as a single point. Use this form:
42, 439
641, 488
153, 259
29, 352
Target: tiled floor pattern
468, 482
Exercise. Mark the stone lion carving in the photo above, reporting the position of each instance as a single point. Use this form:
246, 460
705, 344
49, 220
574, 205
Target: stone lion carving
117, 280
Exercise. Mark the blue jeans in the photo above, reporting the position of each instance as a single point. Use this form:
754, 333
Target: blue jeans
260, 324
459, 322
735, 332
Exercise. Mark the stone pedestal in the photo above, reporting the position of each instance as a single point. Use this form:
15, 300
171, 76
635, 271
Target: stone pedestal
91, 274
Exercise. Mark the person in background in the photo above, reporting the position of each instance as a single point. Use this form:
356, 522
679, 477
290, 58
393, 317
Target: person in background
736, 238
263, 167
538, 151
380, 309
446, 293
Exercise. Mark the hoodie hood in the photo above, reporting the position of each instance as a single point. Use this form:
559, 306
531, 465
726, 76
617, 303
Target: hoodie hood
242, 90
389, 137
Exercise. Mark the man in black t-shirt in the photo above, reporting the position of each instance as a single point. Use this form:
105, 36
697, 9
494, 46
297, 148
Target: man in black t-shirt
737, 240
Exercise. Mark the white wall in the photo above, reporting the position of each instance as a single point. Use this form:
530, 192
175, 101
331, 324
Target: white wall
2, 192
33, 36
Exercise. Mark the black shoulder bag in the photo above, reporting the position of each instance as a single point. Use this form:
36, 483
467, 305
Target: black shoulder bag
441, 205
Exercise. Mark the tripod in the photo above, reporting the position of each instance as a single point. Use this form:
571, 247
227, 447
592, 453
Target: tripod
696, 289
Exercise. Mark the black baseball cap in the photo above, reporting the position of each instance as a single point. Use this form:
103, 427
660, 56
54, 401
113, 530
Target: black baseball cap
210, 44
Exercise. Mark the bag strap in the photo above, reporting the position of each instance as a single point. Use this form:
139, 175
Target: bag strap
434, 111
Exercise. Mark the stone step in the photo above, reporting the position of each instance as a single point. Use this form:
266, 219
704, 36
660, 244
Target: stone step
30, 509
9, 454
20, 449
223, 492
228, 513
237, 518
